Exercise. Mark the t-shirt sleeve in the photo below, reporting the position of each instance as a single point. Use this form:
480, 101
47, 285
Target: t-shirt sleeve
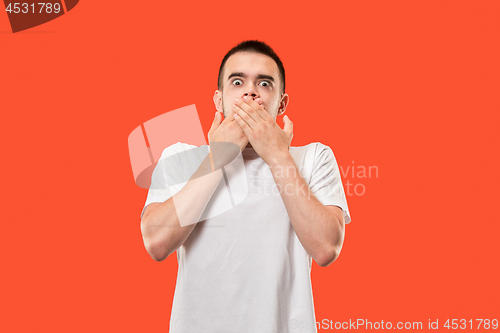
168, 171
326, 183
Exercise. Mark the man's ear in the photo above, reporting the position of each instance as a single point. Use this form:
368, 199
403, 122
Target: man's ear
218, 100
283, 104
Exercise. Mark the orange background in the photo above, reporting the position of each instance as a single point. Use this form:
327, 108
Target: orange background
411, 87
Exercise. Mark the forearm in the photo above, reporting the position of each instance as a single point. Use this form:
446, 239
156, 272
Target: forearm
319, 230
170, 223
167, 225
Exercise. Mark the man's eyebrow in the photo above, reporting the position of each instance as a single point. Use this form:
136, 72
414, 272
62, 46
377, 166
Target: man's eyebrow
239, 74
259, 76
264, 76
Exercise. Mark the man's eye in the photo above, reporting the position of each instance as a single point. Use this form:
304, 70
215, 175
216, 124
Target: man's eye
237, 82
265, 84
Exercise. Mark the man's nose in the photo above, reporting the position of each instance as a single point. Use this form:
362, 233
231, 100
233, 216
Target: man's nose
252, 93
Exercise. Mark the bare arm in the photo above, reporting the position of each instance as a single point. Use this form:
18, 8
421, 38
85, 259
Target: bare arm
319, 228
166, 226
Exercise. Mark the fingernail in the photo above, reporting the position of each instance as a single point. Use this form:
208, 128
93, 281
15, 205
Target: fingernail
236, 100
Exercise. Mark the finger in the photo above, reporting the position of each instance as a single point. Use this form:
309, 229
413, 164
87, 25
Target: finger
244, 126
243, 105
258, 106
288, 128
244, 117
216, 122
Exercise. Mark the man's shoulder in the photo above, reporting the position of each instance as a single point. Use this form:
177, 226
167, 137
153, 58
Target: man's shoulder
313, 155
180, 147
312, 145
311, 150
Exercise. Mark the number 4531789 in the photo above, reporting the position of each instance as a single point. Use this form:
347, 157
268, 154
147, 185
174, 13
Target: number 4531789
464, 324
41, 7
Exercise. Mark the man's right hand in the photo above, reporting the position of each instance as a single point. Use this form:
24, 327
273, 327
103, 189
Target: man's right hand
227, 130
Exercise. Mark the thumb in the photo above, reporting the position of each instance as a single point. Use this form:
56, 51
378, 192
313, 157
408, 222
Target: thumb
288, 128
216, 122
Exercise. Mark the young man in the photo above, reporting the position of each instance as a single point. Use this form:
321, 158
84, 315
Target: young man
247, 269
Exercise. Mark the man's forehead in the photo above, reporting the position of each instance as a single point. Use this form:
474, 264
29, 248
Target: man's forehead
251, 64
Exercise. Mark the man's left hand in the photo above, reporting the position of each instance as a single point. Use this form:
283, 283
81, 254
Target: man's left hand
266, 137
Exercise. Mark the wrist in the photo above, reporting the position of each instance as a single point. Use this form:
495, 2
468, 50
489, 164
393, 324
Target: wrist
223, 153
282, 158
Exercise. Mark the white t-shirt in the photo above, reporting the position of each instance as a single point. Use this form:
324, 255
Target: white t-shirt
245, 270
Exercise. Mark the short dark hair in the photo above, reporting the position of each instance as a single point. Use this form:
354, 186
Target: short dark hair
257, 47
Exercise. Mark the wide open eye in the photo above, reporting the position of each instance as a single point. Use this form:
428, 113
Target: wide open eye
264, 84
237, 82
